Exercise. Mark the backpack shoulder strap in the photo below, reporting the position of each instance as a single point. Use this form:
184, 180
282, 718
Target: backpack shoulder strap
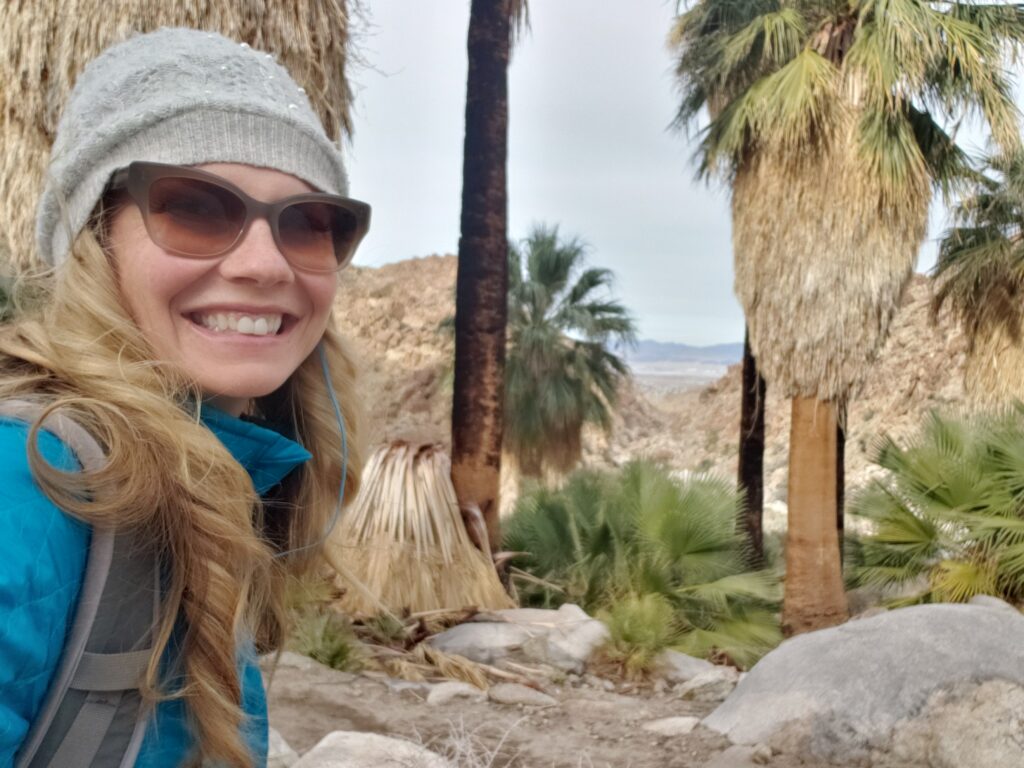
93, 713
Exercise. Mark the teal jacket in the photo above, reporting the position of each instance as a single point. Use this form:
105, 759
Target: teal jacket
42, 559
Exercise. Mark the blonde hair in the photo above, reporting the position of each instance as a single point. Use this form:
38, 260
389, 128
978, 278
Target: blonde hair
80, 351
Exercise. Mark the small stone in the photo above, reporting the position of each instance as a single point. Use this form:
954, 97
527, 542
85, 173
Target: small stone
243, 45
672, 726
714, 685
608, 685
443, 693
293, 106
660, 686
513, 693
762, 754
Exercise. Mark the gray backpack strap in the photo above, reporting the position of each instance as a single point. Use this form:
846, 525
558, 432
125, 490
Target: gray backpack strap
93, 714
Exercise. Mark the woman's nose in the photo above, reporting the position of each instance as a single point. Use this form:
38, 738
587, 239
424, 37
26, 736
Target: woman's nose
257, 258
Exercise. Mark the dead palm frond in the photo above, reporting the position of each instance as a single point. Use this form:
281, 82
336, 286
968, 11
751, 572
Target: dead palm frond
46, 46
404, 545
980, 279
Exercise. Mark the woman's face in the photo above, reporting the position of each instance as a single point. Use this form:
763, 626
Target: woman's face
215, 317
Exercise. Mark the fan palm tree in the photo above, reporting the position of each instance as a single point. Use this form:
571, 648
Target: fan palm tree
980, 275
560, 372
830, 133
45, 49
481, 288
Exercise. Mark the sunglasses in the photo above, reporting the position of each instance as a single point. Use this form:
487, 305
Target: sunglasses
197, 214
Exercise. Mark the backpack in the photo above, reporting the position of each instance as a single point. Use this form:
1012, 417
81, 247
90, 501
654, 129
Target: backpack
93, 714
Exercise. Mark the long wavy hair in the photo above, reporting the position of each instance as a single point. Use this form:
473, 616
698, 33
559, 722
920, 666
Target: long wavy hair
80, 351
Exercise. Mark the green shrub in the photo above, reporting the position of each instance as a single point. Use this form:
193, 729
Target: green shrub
641, 627
608, 539
327, 637
948, 517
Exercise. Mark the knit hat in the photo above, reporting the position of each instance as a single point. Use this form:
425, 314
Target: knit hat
177, 96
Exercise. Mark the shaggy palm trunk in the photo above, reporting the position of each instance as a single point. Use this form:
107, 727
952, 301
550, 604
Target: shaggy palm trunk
481, 298
814, 595
751, 454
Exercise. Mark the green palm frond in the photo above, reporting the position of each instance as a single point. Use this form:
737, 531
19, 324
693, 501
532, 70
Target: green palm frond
950, 511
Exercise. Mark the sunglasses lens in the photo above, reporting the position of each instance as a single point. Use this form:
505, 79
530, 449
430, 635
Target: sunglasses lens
193, 217
317, 236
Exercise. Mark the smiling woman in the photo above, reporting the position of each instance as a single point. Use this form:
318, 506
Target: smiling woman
182, 393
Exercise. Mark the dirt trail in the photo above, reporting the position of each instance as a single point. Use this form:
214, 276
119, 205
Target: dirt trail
590, 727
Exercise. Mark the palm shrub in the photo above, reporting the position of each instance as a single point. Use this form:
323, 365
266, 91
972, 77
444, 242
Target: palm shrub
948, 516
627, 543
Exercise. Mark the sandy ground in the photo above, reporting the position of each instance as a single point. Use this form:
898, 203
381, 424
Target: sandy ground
589, 728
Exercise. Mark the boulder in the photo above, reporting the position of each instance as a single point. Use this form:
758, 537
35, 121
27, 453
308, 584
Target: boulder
353, 749
967, 725
838, 693
563, 639
676, 667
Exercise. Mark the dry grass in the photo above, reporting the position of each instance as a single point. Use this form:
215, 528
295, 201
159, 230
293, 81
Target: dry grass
47, 44
403, 546
822, 259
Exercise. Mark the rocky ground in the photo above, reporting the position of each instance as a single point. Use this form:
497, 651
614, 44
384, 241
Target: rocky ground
592, 722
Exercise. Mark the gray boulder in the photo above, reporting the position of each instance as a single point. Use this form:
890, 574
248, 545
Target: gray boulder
351, 749
839, 693
279, 753
563, 639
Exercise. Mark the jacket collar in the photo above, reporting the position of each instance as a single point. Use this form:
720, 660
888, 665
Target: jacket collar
267, 455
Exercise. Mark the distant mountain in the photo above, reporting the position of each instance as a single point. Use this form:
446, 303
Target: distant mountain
648, 351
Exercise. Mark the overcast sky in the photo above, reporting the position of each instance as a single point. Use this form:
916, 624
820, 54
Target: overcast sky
591, 97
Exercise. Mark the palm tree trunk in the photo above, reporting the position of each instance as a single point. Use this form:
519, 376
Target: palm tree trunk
814, 595
751, 454
481, 291
841, 480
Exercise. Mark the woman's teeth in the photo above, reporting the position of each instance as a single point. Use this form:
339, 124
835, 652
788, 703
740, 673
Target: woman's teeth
250, 325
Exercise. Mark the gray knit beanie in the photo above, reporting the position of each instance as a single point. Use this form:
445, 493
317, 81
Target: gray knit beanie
177, 96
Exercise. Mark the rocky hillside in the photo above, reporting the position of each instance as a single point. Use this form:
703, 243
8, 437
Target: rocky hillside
393, 314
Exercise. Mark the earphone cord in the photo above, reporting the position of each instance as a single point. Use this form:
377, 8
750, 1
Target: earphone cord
344, 456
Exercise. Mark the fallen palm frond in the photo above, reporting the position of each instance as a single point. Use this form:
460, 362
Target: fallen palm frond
46, 46
404, 546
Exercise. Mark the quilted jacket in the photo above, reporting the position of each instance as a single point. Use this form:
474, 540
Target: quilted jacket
42, 559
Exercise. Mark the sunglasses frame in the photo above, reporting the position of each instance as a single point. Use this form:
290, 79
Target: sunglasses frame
137, 178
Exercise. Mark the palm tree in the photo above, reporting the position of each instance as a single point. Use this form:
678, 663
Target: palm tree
44, 51
980, 275
481, 288
831, 136
560, 373
713, 19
